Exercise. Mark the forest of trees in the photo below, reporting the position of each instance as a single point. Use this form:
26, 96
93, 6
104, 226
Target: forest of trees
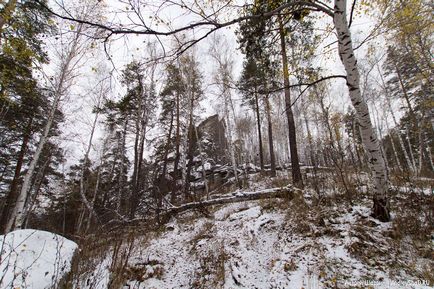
106, 111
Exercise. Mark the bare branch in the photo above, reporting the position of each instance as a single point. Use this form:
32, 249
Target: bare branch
316, 6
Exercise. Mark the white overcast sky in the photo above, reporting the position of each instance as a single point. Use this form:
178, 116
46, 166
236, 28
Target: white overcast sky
124, 49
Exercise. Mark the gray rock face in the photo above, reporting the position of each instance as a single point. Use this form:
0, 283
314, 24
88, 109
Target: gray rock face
212, 134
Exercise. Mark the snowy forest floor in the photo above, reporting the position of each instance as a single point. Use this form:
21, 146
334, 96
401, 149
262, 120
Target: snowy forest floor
273, 243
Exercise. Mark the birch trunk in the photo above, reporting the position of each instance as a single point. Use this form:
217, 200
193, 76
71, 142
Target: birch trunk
369, 139
313, 158
431, 162
32, 198
60, 86
410, 165
17, 216
183, 157
410, 149
167, 148
121, 149
177, 142
270, 136
96, 189
227, 97
84, 199
395, 152
258, 122
414, 121
189, 142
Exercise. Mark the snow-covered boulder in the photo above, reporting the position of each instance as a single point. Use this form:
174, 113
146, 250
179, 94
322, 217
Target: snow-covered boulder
34, 259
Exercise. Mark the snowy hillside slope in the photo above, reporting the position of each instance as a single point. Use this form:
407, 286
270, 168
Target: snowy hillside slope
34, 259
267, 244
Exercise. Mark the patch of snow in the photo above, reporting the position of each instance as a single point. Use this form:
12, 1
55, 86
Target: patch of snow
246, 214
244, 245
34, 259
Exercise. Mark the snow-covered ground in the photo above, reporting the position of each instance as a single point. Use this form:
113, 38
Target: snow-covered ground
266, 244
34, 259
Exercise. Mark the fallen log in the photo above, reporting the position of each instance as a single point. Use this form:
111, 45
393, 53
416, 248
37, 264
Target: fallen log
284, 192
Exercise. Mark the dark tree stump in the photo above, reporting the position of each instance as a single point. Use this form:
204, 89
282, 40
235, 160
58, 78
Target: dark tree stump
381, 209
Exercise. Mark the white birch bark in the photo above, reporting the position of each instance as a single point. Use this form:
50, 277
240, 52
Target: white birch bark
84, 199
183, 161
421, 149
369, 139
185, 141
410, 149
410, 165
223, 76
431, 162
230, 140
67, 65
18, 215
395, 152
96, 189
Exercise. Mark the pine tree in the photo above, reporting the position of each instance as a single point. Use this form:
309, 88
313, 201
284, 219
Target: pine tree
22, 101
168, 145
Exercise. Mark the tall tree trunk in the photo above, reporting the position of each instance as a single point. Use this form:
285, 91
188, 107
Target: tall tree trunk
414, 120
141, 123
258, 121
360, 160
65, 70
410, 165
313, 159
121, 204
410, 149
295, 163
380, 134
17, 216
167, 146
369, 139
177, 140
189, 159
227, 101
135, 174
395, 152
13, 192
190, 141
421, 150
430, 159
96, 189
83, 188
39, 178
270, 136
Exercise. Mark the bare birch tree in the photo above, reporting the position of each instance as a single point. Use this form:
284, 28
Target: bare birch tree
69, 60
223, 78
369, 138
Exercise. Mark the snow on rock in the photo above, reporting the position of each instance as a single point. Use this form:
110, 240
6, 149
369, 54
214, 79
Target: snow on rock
34, 259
